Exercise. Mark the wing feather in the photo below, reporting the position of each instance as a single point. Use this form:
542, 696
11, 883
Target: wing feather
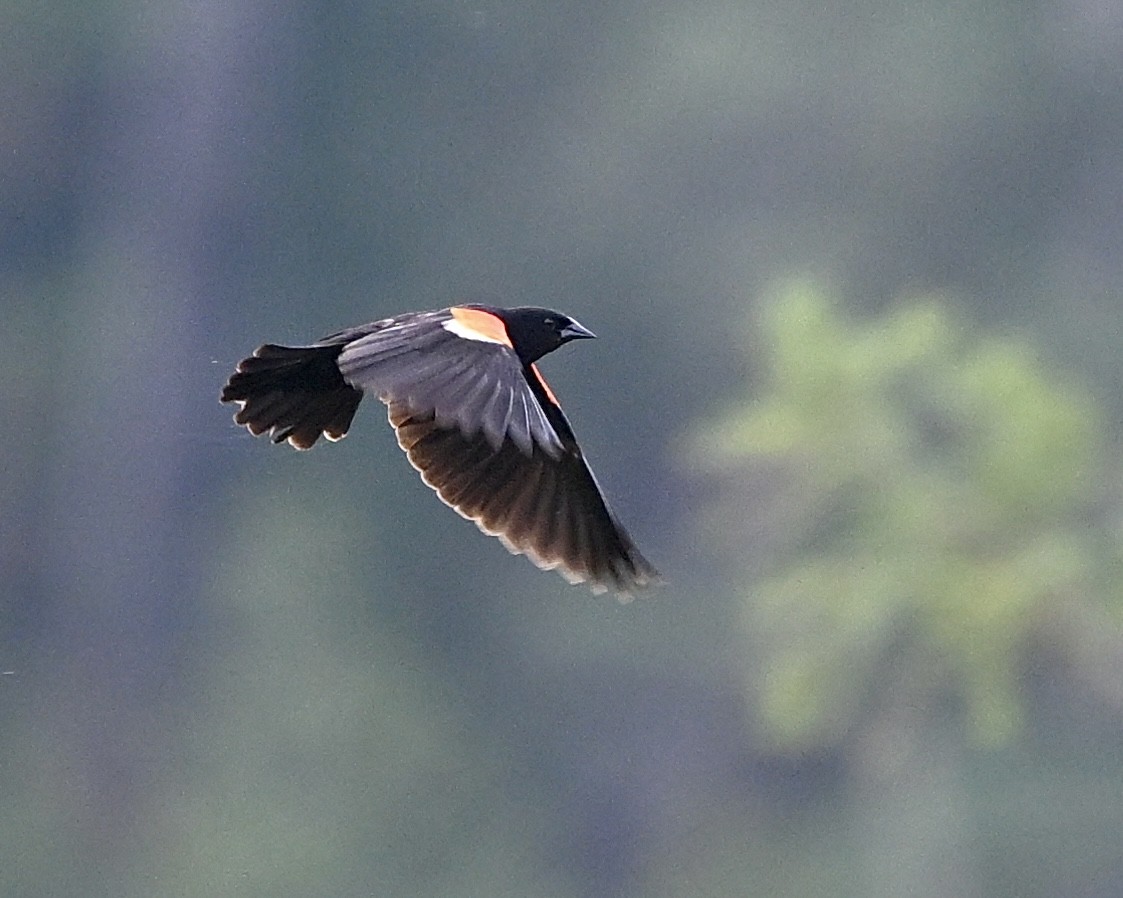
476, 385
549, 509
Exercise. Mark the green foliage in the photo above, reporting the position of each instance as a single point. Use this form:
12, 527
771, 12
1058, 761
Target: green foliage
929, 487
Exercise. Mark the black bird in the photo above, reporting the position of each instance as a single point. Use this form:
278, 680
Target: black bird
474, 416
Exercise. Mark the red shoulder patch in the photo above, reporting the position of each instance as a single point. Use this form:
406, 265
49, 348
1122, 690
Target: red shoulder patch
476, 324
545, 386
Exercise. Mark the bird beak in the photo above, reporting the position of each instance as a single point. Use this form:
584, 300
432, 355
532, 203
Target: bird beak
575, 331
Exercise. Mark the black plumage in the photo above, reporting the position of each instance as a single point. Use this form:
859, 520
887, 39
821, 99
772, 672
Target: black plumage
475, 418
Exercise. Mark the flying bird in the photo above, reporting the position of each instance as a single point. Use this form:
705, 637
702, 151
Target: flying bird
475, 418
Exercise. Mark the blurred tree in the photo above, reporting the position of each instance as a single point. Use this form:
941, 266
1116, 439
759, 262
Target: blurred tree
326, 757
928, 500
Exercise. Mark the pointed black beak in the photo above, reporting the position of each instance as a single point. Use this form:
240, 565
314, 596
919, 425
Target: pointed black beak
575, 331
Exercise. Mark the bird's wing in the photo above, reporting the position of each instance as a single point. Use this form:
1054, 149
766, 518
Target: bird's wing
458, 366
548, 507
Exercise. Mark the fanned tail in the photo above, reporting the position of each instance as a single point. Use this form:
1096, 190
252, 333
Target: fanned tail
293, 393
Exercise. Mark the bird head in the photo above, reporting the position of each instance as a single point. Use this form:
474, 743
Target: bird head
535, 332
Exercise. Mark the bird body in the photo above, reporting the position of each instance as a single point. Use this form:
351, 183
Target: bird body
475, 418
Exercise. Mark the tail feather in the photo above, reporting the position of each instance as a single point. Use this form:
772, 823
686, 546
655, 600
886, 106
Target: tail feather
293, 393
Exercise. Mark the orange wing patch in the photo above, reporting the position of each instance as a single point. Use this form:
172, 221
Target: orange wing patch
545, 386
476, 324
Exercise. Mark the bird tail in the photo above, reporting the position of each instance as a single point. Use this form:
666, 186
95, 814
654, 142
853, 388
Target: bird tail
294, 393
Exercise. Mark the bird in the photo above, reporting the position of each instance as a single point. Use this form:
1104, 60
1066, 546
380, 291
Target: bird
475, 417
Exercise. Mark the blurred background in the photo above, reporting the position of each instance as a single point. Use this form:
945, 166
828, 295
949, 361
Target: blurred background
858, 392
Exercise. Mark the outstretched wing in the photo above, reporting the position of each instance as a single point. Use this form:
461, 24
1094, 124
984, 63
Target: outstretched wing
457, 365
546, 506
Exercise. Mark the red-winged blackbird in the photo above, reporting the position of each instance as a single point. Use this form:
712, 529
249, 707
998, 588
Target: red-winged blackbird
473, 414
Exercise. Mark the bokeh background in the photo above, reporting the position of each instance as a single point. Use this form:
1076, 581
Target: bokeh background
857, 274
